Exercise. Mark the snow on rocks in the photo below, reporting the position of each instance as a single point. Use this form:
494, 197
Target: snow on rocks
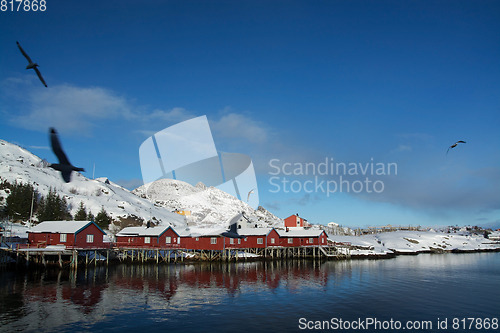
414, 242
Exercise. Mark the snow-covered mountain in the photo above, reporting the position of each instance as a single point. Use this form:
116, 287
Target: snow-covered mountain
157, 200
19, 165
209, 206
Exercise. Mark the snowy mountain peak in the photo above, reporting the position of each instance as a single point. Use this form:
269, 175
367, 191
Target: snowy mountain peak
158, 200
209, 206
19, 165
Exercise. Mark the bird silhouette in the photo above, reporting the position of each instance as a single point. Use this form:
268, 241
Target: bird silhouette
454, 145
64, 166
32, 64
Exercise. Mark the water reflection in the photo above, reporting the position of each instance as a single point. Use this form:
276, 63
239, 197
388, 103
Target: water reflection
142, 297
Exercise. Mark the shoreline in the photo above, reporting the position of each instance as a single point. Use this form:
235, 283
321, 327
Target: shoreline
191, 260
396, 253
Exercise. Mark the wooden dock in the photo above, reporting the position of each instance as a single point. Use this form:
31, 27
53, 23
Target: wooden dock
64, 257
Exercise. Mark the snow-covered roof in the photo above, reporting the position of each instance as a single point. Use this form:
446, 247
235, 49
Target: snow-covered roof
200, 232
254, 231
143, 231
62, 227
300, 233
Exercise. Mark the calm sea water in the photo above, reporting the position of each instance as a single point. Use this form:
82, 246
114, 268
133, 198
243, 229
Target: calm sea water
280, 296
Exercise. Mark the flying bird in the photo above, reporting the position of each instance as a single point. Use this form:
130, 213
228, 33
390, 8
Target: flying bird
64, 166
248, 197
454, 145
32, 64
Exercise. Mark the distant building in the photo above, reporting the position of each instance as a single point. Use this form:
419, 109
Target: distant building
244, 223
333, 225
72, 234
183, 212
295, 221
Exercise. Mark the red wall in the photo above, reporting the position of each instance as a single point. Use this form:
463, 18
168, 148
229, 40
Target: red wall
203, 243
81, 237
155, 242
251, 241
303, 241
291, 221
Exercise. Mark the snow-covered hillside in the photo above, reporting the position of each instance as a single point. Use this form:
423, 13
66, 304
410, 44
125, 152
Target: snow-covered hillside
157, 200
412, 242
18, 164
209, 206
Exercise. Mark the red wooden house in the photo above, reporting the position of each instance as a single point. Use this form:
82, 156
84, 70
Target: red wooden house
202, 238
210, 239
254, 238
72, 234
302, 237
162, 237
295, 221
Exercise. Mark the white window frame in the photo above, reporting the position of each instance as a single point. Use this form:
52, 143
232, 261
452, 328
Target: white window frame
213, 240
239, 240
260, 240
290, 240
147, 240
272, 240
168, 240
63, 238
90, 238
231, 241
311, 240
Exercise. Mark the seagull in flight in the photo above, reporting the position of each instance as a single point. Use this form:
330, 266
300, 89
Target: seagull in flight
32, 64
454, 145
64, 166
248, 197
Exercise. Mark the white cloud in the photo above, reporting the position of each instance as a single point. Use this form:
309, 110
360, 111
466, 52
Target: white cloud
401, 148
238, 126
70, 109
173, 115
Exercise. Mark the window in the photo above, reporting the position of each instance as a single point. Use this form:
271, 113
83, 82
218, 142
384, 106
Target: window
213, 240
62, 238
90, 238
231, 241
311, 240
239, 240
197, 238
168, 239
260, 240
322, 240
290, 240
147, 240
272, 240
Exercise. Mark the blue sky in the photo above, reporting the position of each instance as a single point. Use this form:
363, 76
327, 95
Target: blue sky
282, 81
